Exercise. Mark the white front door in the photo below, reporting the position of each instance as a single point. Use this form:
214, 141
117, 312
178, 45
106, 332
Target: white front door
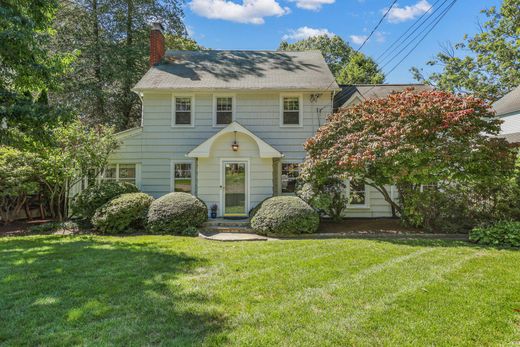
234, 184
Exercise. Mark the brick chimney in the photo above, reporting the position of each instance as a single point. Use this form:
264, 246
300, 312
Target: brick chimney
156, 44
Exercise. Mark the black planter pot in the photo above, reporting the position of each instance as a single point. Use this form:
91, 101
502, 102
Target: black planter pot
213, 215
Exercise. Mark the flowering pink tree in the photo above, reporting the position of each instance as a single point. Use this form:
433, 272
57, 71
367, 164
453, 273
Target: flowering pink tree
410, 139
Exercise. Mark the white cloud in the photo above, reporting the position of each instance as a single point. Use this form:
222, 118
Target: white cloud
380, 36
358, 39
401, 14
249, 11
305, 32
314, 5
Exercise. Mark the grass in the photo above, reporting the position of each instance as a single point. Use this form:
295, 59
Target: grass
165, 290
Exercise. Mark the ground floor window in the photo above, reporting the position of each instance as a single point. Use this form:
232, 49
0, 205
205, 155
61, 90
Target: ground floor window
357, 191
182, 177
120, 172
290, 173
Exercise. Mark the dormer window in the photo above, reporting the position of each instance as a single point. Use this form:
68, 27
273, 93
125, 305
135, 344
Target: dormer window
224, 110
183, 111
291, 111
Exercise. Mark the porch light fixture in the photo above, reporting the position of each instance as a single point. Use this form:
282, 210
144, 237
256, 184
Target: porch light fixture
234, 145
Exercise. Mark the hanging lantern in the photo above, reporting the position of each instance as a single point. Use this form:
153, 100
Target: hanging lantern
234, 145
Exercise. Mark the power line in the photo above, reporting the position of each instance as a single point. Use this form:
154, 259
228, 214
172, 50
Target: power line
377, 26
415, 37
410, 28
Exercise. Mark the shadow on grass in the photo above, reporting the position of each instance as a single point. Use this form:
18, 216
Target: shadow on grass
64, 291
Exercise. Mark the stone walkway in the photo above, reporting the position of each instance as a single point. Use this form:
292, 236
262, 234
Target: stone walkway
229, 237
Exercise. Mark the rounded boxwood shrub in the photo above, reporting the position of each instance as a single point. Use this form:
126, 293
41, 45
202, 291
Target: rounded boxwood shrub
124, 213
285, 215
177, 213
93, 197
504, 233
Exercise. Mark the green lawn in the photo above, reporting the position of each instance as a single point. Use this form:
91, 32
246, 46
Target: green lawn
151, 290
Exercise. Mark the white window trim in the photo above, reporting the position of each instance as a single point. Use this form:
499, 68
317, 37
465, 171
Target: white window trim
291, 95
192, 120
366, 205
172, 174
281, 173
137, 172
233, 111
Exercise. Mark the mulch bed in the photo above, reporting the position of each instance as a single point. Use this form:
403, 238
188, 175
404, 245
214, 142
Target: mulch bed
368, 226
20, 227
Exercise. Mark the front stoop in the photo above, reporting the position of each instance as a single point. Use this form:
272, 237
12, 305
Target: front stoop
221, 229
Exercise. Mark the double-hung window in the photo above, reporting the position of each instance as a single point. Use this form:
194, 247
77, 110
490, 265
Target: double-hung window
223, 110
290, 173
183, 111
182, 177
120, 172
357, 191
291, 111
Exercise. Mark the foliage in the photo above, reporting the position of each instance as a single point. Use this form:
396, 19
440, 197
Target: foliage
177, 213
285, 215
503, 233
17, 181
124, 213
489, 63
181, 43
347, 66
411, 139
96, 195
112, 41
329, 197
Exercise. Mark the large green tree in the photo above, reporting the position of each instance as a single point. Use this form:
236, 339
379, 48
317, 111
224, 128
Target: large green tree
486, 64
111, 38
347, 65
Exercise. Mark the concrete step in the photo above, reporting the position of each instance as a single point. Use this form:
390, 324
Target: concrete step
231, 237
227, 223
227, 229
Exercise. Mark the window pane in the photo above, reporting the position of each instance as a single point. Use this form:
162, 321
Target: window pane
126, 171
110, 172
182, 104
357, 193
224, 104
291, 104
183, 118
290, 173
224, 117
182, 179
291, 118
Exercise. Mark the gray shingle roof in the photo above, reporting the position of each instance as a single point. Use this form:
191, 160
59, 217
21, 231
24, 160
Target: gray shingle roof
508, 103
200, 70
373, 91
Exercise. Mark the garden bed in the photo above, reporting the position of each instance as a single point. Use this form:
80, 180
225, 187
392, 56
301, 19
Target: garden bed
368, 226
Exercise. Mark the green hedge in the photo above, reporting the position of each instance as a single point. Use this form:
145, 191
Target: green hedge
285, 215
504, 233
125, 213
94, 196
177, 213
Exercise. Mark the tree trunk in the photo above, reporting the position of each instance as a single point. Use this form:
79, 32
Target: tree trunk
396, 208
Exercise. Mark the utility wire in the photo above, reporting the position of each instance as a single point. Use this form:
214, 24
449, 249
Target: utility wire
377, 26
396, 41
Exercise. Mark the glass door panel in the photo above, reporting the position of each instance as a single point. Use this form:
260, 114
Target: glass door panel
235, 189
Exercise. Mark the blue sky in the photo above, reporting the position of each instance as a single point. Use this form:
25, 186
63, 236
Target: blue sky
262, 24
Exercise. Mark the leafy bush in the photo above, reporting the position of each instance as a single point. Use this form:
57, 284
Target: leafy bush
504, 233
281, 215
177, 213
124, 213
329, 198
93, 197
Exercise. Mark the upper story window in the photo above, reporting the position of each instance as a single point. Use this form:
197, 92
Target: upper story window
290, 173
183, 111
291, 111
224, 109
120, 172
357, 191
182, 177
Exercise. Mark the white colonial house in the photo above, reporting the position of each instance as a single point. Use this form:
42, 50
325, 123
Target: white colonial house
229, 126
508, 109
